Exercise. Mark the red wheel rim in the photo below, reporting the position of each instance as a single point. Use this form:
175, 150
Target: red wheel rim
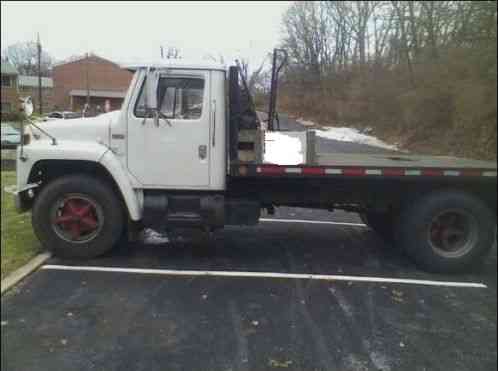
77, 218
453, 233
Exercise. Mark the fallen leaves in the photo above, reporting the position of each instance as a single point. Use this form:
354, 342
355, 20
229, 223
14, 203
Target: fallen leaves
278, 364
397, 296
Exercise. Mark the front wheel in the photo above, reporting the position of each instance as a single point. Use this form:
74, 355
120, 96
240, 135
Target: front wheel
78, 217
447, 231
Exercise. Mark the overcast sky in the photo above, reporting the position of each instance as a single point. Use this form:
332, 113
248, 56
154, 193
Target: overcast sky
126, 32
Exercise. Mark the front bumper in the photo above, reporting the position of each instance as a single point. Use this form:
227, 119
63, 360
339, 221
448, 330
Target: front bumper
21, 202
23, 199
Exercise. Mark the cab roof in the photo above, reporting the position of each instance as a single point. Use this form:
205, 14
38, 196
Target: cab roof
175, 64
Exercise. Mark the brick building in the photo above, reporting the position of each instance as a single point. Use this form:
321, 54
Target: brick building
28, 87
15, 86
9, 88
89, 77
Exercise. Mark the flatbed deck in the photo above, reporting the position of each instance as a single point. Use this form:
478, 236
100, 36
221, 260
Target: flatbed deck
374, 165
402, 160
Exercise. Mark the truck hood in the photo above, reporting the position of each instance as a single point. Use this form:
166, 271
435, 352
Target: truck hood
91, 129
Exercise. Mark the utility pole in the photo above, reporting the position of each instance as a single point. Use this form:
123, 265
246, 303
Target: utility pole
40, 103
86, 106
87, 81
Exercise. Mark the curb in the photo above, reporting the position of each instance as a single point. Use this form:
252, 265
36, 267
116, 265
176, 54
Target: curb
19, 274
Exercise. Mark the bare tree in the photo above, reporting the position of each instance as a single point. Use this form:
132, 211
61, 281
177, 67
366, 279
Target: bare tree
217, 59
254, 78
308, 35
322, 36
400, 9
426, 55
24, 56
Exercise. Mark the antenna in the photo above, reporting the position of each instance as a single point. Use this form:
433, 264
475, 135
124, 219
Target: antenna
87, 73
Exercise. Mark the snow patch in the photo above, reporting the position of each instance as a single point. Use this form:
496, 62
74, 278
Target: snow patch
353, 135
305, 122
152, 237
345, 134
281, 149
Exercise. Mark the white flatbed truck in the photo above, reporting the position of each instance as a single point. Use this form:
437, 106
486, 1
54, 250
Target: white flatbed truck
186, 150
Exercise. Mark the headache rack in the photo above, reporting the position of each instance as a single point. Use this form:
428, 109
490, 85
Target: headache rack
245, 131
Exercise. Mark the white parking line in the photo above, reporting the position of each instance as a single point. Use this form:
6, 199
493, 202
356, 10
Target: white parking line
310, 222
239, 274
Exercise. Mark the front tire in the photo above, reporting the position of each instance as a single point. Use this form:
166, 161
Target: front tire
78, 217
447, 231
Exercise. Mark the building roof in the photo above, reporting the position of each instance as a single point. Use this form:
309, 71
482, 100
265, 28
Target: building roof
175, 63
8, 68
77, 58
32, 81
98, 93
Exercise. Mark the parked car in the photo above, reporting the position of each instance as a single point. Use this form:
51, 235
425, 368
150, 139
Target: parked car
10, 137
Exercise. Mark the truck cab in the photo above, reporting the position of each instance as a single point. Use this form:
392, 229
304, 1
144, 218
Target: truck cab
163, 157
186, 151
188, 141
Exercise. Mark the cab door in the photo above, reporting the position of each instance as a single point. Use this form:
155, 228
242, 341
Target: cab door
174, 154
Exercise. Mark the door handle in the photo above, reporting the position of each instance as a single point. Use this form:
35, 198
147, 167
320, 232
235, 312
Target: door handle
202, 151
213, 109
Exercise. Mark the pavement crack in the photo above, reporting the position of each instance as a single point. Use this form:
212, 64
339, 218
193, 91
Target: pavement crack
325, 357
242, 360
378, 361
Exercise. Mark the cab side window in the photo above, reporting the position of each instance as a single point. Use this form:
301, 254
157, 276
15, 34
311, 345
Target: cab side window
178, 98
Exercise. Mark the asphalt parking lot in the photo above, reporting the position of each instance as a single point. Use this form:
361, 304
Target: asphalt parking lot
128, 320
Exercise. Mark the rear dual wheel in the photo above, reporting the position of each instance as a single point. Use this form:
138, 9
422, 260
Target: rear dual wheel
78, 216
446, 231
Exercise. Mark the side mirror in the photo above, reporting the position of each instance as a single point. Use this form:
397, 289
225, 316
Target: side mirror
151, 84
27, 106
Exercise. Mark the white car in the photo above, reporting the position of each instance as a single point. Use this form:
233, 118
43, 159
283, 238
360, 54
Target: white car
10, 137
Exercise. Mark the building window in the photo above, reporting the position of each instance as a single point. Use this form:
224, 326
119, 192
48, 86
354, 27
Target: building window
179, 98
6, 81
6, 107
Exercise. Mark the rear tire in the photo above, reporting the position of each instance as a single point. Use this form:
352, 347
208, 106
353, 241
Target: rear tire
66, 233
447, 231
